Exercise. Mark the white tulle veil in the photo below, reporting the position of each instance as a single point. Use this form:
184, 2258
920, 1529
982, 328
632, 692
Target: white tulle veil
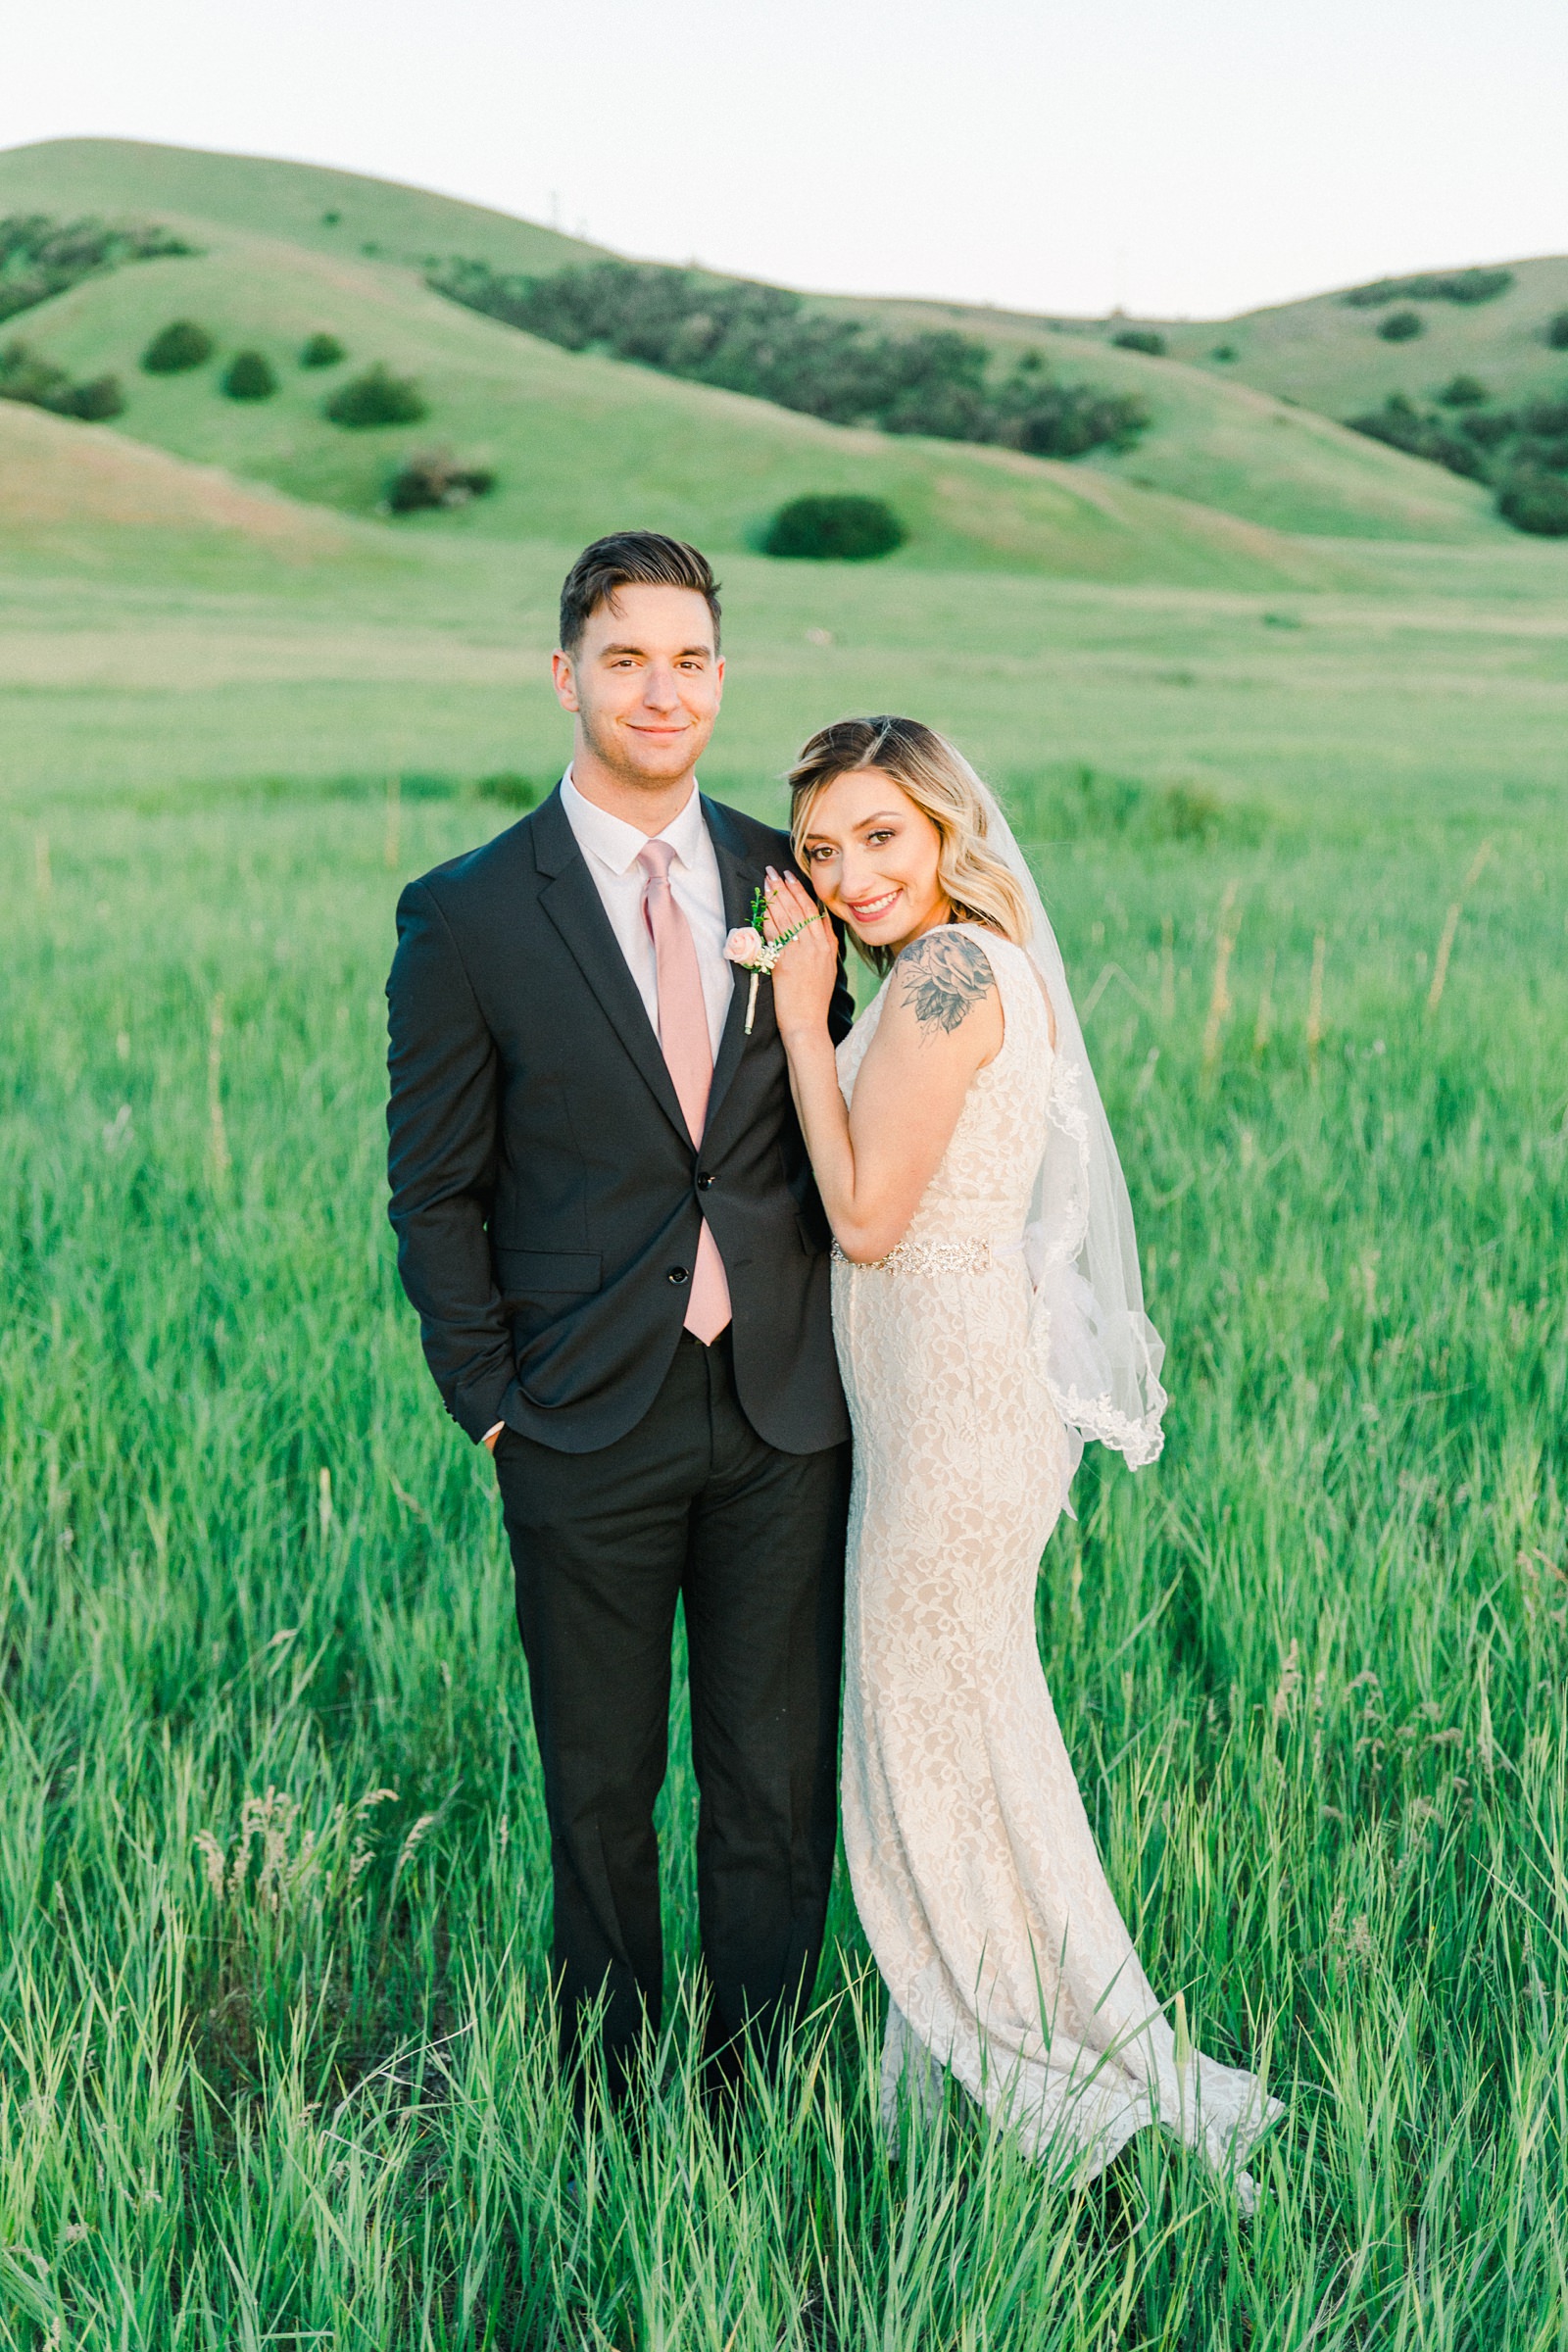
1100, 1353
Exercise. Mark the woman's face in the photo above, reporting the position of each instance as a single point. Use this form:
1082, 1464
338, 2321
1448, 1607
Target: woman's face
872, 858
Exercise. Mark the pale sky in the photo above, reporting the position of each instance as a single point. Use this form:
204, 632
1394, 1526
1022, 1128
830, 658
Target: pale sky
1176, 157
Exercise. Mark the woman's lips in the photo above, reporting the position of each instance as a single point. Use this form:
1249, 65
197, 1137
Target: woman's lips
872, 910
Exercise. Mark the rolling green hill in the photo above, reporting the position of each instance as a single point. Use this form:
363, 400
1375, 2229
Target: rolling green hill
100, 504
1322, 352
580, 442
1228, 444
341, 214
1328, 354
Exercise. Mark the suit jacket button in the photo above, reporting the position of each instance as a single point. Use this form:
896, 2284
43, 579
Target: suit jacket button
677, 1275
704, 1181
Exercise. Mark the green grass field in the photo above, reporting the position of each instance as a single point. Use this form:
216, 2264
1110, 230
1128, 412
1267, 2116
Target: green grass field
274, 2056
275, 2063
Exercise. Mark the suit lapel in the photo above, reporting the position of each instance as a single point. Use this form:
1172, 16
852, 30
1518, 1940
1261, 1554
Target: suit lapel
739, 878
570, 899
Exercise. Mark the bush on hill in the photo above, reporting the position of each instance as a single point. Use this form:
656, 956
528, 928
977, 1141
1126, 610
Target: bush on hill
40, 384
770, 343
1401, 327
1557, 330
180, 345
1400, 425
1431, 285
378, 397
1523, 452
435, 479
321, 351
1141, 338
1464, 392
1223, 351
1489, 428
1545, 419
1535, 501
96, 401
841, 528
249, 375
40, 257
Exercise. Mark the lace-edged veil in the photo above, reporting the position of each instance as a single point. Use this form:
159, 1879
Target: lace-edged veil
1102, 1354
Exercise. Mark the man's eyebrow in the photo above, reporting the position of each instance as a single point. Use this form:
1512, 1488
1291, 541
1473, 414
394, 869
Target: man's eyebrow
685, 653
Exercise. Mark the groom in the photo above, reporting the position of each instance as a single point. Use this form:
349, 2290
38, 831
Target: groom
607, 1221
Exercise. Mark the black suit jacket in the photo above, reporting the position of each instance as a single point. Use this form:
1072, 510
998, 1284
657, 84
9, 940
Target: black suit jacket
546, 1194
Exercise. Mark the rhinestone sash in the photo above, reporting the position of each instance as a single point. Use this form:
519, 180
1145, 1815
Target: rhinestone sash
974, 1256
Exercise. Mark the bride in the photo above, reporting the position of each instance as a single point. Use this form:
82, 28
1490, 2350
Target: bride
988, 1313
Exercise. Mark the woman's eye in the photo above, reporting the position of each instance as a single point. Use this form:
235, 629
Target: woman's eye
874, 841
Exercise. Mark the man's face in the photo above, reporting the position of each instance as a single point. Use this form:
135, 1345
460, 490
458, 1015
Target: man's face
645, 683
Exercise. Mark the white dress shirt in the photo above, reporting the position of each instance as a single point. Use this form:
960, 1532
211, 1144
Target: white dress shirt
610, 848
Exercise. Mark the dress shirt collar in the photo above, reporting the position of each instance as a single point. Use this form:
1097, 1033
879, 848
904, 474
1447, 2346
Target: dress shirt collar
616, 844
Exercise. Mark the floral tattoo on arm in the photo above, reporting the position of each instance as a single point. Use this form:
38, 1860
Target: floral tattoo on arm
945, 975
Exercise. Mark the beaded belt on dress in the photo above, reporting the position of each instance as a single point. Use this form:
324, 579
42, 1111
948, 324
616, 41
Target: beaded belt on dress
928, 1257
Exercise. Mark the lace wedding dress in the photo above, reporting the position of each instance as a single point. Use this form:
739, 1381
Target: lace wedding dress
974, 1869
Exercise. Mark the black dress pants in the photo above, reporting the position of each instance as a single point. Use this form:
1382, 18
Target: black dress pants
691, 1503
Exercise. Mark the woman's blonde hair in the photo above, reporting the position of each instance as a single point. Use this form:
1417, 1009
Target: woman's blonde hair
941, 783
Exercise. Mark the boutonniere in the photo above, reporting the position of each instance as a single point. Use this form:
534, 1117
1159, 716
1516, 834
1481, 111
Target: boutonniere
757, 956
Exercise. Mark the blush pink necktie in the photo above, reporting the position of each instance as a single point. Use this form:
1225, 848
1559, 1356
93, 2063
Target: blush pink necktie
689, 1057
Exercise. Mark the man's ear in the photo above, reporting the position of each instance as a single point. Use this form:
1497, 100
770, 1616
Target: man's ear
565, 682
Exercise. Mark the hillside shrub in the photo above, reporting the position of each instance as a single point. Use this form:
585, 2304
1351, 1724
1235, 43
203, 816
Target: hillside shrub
1522, 453
839, 527
1537, 503
1545, 419
770, 343
321, 351
378, 397
1400, 425
1464, 392
249, 375
1141, 338
40, 257
434, 479
1489, 428
1401, 327
1431, 285
98, 398
1557, 330
179, 346
1223, 351
27, 378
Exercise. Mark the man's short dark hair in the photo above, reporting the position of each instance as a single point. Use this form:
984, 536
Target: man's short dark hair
631, 560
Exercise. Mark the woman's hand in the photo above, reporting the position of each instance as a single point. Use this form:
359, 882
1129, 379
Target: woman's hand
806, 973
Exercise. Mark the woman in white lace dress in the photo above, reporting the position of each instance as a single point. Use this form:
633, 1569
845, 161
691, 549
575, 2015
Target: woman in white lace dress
989, 1317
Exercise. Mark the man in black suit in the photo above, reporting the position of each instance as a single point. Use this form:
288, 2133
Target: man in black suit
607, 1220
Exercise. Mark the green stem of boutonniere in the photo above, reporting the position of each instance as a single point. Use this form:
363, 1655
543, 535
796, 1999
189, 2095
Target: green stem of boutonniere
769, 950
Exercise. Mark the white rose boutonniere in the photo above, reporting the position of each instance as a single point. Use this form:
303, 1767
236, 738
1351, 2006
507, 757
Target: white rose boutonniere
754, 953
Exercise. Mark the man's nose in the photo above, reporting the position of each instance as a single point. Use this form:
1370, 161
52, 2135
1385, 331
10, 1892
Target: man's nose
661, 687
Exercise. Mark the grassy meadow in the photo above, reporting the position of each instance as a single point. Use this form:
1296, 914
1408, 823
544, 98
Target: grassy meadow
274, 2056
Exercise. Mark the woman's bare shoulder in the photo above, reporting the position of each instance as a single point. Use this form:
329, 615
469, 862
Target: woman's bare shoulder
942, 979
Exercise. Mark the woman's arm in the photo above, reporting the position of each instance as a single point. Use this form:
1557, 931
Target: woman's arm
941, 1023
